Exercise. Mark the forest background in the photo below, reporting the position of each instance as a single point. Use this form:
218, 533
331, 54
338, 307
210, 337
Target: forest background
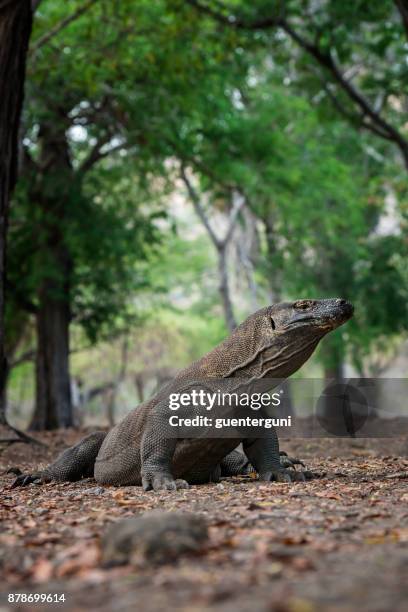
183, 163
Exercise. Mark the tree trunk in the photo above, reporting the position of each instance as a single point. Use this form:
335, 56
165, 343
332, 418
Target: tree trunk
110, 413
15, 332
247, 247
3, 393
224, 289
140, 387
15, 30
275, 282
221, 245
53, 390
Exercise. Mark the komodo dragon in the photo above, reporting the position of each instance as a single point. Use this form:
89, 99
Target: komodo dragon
273, 343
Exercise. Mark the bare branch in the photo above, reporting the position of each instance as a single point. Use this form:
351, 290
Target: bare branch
60, 26
375, 123
358, 119
98, 390
96, 154
27, 356
31, 354
204, 169
236, 22
238, 205
24, 437
220, 244
195, 199
339, 107
368, 125
378, 123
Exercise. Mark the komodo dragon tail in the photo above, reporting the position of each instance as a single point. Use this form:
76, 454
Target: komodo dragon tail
72, 464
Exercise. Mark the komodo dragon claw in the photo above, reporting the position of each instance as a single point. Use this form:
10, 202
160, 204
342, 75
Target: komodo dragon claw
163, 482
284, 475
289, 462
25, 479
296, 475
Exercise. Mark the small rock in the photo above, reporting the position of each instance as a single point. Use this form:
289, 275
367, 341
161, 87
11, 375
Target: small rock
154, 538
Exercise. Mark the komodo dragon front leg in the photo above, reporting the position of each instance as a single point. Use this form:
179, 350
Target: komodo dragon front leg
157, 453
264, 455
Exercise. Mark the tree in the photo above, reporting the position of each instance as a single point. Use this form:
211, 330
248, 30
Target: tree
107, 94
105, 239
352, 55
221, 244
15, 30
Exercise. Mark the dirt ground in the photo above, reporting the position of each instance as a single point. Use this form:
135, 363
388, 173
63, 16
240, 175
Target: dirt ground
337, 543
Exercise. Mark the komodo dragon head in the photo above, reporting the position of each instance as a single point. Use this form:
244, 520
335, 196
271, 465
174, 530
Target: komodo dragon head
315, 316
275, 341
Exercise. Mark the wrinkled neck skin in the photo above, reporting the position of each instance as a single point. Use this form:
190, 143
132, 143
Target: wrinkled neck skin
282, 355
277, 354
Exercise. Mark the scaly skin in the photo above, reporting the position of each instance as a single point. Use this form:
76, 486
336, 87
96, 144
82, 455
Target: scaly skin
271, 344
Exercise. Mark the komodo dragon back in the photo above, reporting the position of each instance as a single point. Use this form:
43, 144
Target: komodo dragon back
272, 343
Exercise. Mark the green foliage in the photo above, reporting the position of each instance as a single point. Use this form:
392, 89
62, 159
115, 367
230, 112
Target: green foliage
113, 238
108, 238
124, 76
315, 185
382, 283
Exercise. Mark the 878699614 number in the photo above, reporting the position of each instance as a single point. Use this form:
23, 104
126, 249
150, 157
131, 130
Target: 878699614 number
36, 598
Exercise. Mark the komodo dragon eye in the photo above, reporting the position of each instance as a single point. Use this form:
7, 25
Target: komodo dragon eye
303, 304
